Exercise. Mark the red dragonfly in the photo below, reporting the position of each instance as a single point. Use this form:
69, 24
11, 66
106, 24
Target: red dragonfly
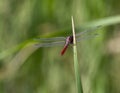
59, 41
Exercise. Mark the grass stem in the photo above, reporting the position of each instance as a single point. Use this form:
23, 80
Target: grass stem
76, 66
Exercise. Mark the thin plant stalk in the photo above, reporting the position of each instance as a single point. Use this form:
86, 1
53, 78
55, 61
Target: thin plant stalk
76, 66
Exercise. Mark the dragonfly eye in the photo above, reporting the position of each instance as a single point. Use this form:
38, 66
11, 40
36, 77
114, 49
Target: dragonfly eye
71, 39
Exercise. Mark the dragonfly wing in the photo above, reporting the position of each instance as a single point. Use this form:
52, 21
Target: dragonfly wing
52, 44
50, 39
88, 37
89, 30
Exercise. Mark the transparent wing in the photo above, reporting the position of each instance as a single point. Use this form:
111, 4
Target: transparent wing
86, 38
52, 44
86, 31
50, 39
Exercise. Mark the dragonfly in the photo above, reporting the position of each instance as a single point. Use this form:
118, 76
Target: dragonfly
66, 41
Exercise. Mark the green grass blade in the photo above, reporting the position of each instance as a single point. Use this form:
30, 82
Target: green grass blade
103, 22
76, 66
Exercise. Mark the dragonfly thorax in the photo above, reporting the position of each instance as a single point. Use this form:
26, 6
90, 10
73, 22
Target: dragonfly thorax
69, 40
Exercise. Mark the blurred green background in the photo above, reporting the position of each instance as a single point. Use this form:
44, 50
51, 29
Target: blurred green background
28, 69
